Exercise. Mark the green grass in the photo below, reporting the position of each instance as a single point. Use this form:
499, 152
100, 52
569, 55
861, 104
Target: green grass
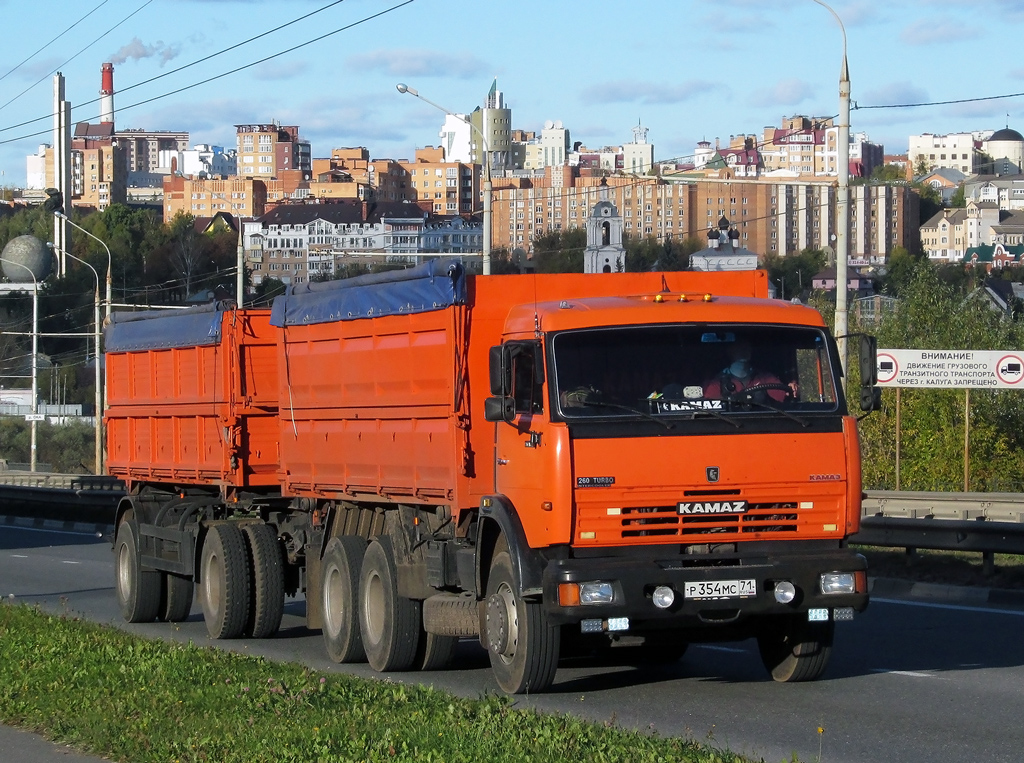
949, 567
134, 699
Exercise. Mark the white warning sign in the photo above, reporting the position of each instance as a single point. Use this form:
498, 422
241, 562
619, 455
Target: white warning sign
1001, 369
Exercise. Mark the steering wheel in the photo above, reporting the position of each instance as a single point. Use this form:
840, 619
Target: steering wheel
737, 397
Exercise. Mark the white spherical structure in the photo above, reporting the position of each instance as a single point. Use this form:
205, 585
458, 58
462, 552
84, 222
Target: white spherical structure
23, 254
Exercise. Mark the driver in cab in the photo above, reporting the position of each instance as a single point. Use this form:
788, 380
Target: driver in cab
740, 375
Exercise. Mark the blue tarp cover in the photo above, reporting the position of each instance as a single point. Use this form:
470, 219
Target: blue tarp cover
434, 285
164, 329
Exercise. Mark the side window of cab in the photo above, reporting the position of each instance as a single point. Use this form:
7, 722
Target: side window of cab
527, 383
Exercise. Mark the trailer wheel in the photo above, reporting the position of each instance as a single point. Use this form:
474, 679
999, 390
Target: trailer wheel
176, 601
389, 624
342, 561
138, 590
266, 604
793, 649
522, 645
224, 581
435, 652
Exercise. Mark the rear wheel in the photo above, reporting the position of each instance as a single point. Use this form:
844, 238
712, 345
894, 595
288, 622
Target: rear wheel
176, 603
389, 624
793, 649
342, 562
522, 645
266, 606
435, 652
138, 590
224, 581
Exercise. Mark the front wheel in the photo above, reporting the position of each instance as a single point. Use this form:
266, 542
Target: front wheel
793, 649
138, 590
522, 645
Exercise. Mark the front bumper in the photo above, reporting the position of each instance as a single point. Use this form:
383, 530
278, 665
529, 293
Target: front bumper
634, 580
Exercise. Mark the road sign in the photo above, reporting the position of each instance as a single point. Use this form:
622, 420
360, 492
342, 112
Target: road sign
951, 369
35, 417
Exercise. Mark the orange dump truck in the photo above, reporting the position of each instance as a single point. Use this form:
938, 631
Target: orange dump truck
619, 463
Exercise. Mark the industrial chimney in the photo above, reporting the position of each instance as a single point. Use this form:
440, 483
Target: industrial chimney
107, 94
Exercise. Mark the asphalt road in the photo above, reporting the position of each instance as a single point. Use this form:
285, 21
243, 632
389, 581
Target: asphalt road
909, 682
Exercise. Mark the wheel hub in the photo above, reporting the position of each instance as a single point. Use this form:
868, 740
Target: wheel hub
502, 623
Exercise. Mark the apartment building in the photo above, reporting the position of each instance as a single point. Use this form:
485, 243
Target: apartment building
443, 187
266, 150
143, 149
296, 242
99, 167
769, 216
204, 197
809, 147
959, 151
948, 235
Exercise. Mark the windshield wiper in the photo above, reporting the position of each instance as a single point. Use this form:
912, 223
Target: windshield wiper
748, 399
717, 415
637, 411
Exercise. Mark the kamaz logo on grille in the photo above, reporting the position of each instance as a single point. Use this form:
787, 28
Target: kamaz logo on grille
713, 507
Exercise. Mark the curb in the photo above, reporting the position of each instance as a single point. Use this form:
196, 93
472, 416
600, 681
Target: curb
38, 523
942, 593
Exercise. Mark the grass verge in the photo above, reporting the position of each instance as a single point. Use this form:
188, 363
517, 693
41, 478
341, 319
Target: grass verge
115, 694
949, 567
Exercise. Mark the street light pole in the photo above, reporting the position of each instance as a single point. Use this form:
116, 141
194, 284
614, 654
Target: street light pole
486, 253
98, 399
35, 360
842, 200
75, 225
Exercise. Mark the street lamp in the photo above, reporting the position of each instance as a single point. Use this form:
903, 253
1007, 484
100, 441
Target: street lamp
98, 400
35, 358
843, 199
73, 224
486, 254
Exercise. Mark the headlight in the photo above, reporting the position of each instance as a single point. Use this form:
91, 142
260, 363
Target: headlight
596, 593
838, 582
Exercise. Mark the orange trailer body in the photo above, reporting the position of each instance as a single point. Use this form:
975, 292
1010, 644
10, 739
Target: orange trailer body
196, 414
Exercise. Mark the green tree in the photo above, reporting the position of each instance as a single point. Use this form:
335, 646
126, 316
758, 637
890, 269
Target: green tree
794, 273
959, 198
560, 251
888, 173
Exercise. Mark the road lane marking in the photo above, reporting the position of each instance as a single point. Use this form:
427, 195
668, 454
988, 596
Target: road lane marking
911, 673
720, 648
20, 556
956, 607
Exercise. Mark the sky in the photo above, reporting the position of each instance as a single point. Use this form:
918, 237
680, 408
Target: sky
686, 70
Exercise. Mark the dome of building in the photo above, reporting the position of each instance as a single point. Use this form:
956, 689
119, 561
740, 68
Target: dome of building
1007, 134
23, 254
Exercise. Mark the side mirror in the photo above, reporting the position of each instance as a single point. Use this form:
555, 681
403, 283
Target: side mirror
500, 367
870, 399
499, 409
868, 360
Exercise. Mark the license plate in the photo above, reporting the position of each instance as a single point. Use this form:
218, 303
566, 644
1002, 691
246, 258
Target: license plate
720, 589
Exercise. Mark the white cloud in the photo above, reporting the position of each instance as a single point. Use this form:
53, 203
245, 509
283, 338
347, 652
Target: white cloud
787, 92
420, 63
938, 30
893, 94
280, 71
630, 91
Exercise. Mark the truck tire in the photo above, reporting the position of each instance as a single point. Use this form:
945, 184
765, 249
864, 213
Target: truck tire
224, 581
340, 569
266, 605
522, 645
176, 602
138, 590
793, 649
435, 652
388, 623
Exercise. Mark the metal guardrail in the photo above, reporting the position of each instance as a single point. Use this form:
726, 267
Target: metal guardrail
980, 522
68, 497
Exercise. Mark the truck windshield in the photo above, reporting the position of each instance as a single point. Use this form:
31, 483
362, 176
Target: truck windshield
686, 371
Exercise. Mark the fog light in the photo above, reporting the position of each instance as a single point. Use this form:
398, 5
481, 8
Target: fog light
785, 592
838, 582
663, 597
596, 593
618, 623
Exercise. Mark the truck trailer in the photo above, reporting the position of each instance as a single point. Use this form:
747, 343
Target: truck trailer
553, 464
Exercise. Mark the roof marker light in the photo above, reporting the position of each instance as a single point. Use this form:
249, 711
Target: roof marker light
658, 298
707, 297
683, 298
